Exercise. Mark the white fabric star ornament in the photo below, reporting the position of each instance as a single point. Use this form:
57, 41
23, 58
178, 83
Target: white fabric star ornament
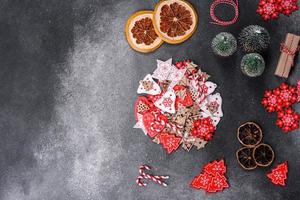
163, 69
175, 76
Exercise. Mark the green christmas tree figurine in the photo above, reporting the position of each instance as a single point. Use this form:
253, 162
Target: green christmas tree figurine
224, 44
253, 64
254, 38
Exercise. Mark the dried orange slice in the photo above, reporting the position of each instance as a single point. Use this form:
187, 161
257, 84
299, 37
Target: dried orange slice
175, 20
249, 134
140, 32
245, 158
263, 155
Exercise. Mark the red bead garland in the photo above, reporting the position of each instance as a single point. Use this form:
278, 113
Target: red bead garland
270, 9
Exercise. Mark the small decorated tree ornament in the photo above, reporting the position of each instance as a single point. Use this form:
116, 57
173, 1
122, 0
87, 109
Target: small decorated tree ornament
278, 175
254, 38
212, 179
224, 44
253, 65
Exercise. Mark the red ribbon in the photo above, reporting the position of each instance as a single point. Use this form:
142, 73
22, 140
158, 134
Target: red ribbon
216, 20
287, 50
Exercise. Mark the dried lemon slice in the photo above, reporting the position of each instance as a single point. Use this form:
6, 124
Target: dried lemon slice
245, 158
263, 155
249, 134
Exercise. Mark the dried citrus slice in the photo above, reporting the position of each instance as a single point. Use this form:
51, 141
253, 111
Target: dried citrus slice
245, 158
263, 155
249, 134
175, 20
140, 32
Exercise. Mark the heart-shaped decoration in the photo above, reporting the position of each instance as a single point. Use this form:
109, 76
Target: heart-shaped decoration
167, 102
148, 86
154, 124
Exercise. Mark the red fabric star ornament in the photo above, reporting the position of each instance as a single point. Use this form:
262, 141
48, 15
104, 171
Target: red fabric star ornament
169, 141
203, 128
287, 7
215, 167
278, 175
268, 9
288, 120
212, 179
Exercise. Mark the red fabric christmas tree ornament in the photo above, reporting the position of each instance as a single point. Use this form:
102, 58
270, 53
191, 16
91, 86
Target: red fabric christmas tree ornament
212, 179
278, 175
169, 141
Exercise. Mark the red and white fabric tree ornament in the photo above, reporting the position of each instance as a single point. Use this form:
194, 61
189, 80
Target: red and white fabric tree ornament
170, 112
278, 175
212, 179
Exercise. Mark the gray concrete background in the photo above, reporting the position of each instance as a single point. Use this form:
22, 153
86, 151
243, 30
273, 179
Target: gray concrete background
68, 83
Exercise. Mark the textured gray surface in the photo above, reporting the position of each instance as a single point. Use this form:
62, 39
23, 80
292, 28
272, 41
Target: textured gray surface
68, 82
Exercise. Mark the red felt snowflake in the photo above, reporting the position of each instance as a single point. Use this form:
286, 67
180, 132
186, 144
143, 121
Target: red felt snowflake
279, 98
268, 9
203, 128
278, 175
169, 141
212, 179
288, 120
288, 6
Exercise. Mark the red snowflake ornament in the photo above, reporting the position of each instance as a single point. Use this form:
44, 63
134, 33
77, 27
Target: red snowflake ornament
169, 142
279, 98
215, 167
203, 128
287, 7
288, 120
268, 9
278, 175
